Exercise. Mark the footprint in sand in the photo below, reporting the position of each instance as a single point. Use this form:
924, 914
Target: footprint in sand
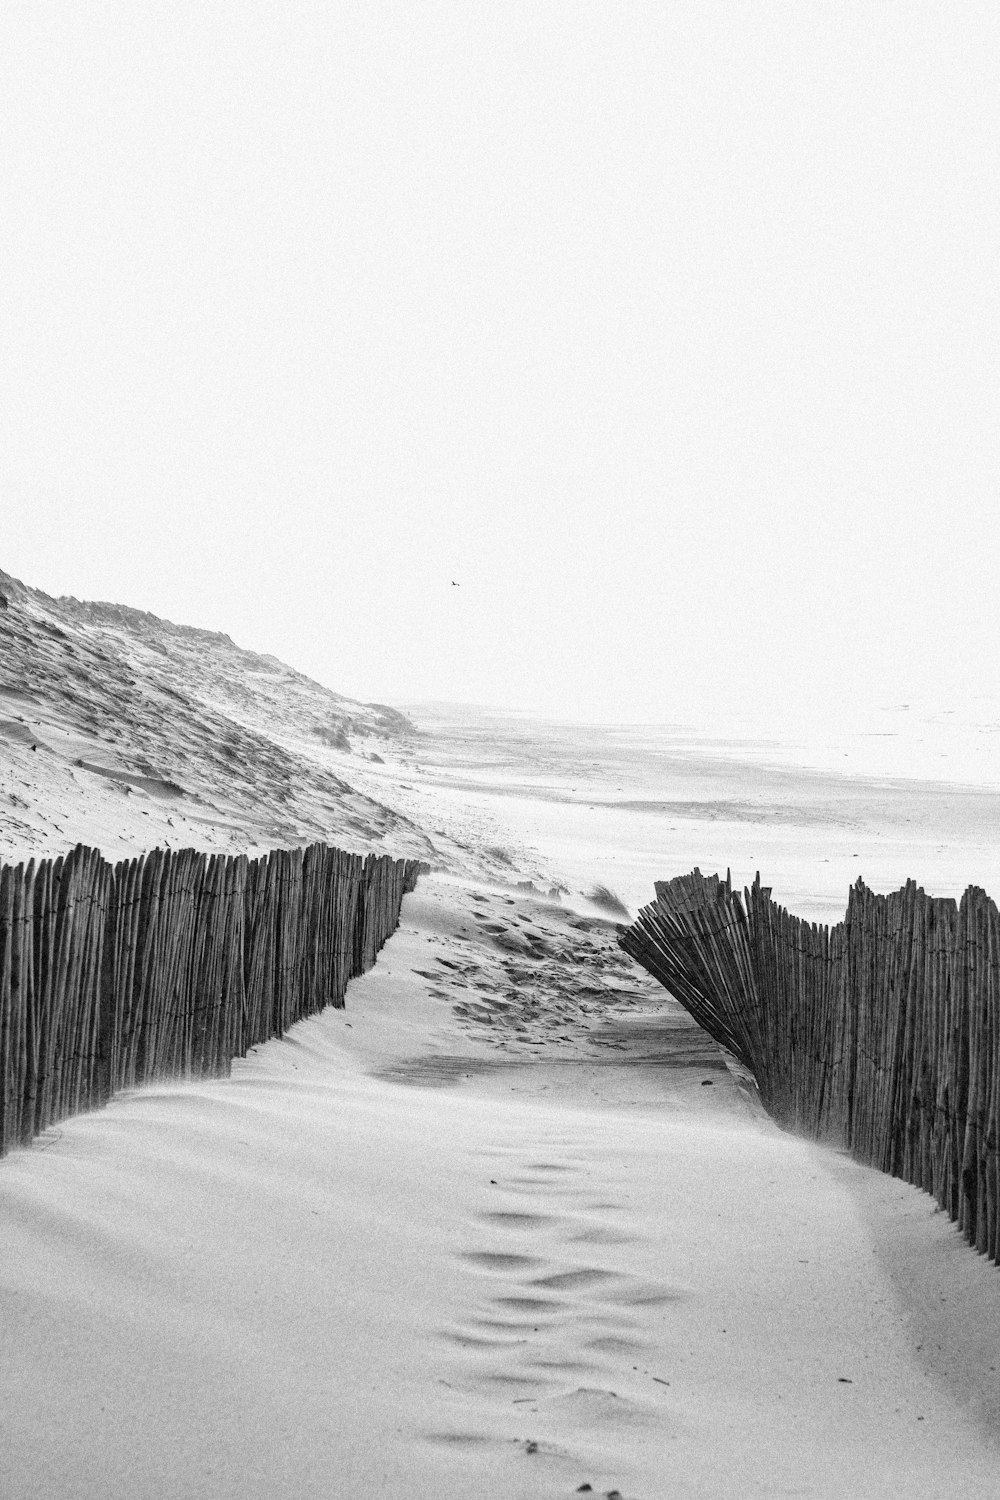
579, 1276
480, 1341
528, 1304
616, 1343
505, 1325
538, 1184
512, 1220
499, 1260
590, 1405
600, 1234
520, 1383
557, 1328
543, 1308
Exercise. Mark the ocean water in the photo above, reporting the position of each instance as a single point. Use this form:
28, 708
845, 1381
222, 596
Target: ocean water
627, 805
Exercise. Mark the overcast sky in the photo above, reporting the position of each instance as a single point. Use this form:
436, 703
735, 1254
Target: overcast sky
667, 332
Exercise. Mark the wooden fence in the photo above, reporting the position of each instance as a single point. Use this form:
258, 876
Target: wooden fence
881, 1034
171, 965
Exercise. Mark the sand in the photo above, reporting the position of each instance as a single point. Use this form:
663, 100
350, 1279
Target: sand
508, 1225
409, 1251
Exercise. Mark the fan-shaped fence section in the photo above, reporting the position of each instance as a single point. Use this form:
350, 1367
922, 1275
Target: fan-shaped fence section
881, 1034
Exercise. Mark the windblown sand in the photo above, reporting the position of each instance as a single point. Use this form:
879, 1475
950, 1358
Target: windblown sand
479, 1236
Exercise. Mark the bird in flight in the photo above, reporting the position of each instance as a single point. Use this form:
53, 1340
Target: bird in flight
455, 585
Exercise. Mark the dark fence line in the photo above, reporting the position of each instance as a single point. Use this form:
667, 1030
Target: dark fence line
881, 1034
172, 964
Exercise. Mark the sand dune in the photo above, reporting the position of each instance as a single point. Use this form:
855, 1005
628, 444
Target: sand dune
124, 731
509, 1224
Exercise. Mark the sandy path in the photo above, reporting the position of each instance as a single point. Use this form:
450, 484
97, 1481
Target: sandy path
405, 1252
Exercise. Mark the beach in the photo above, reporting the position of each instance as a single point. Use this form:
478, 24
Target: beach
470, 465
509, 1223
473, 465
484, 1231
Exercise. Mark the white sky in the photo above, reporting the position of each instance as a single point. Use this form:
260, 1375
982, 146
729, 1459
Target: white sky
668, 331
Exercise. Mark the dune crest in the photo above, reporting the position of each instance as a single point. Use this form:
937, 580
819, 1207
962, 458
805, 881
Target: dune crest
121, 731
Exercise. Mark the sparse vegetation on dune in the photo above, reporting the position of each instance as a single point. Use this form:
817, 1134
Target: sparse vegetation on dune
605, 898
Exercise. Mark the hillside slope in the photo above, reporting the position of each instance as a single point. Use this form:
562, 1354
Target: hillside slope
126, 731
